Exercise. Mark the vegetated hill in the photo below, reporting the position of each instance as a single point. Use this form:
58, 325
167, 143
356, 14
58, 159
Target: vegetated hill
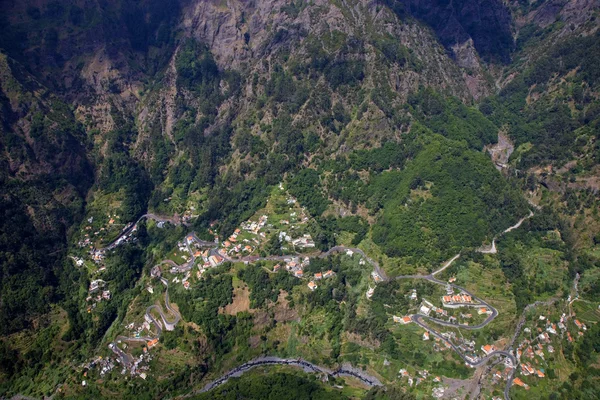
377, 110
446, 199
45, 176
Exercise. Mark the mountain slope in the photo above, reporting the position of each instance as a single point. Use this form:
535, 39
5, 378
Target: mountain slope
375, 115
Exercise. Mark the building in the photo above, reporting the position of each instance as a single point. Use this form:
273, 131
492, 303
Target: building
424, 310
376, 277
370, 292
540, 373
539, 353
318, 276
152, 343
519, 382
215, 260
328, 274
299, 273
402, 320
488, 348
95, 285
483, 310
425, 335
312, 285
544, 337
276, 268
526, 369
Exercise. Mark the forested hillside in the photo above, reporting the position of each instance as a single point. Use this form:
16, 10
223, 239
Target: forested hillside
411, 130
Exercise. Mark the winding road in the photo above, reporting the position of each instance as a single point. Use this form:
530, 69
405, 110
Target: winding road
345, 370
478, 302
172, 220
307, 366
125, 358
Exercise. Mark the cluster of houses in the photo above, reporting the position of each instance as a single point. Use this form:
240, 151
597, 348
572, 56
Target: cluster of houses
533, 351
502, 374
100, 232
90, 238
318, 276
237, 248
208, 260
96, 294
427, 308
185, 280
191, 247
296, 268
103, 364
451, 300
140, 366
420, 377
456, 300
304, 242
466, 346
232, 246
138, 330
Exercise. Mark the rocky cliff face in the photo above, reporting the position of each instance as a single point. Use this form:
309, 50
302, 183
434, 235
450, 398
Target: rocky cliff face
486, 22
117, 61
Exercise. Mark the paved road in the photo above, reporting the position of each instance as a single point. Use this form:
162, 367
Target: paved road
335, 249
449, 263
418, 318
126, 359
305, 365
524, 315
371, 381
172, 220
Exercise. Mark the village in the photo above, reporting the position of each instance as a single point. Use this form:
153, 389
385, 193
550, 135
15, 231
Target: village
456, 308
284, 222
189, 260
282, 219
540, 339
